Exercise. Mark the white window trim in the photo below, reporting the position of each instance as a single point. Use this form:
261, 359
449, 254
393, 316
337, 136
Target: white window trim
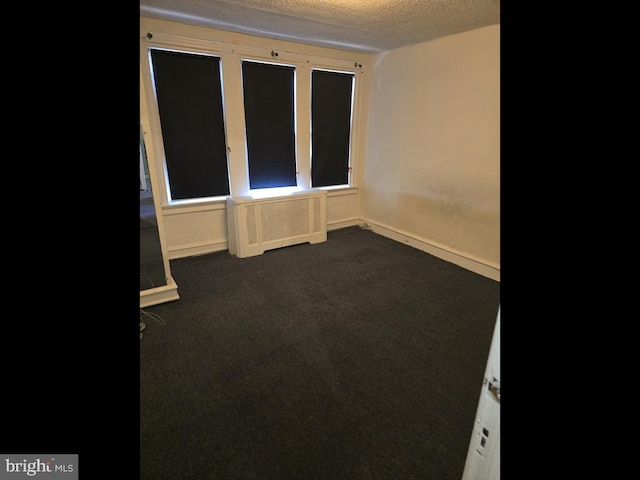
231, 57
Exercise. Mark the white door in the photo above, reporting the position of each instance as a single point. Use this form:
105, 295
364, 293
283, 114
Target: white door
483, 457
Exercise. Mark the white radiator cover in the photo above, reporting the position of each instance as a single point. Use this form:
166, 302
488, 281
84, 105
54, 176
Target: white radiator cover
255, 225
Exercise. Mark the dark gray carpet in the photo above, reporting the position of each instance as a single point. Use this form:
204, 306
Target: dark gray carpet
357, 358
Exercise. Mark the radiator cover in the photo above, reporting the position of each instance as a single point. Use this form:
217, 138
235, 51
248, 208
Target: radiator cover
255, 225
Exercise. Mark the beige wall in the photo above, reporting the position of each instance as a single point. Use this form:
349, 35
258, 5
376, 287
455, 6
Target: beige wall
432, 158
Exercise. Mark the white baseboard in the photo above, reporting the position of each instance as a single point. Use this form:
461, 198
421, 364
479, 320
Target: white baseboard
337, 225
194, 249
477, 265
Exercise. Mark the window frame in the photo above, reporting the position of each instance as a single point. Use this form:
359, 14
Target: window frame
264, 190
351, 121
166, 183
230, 58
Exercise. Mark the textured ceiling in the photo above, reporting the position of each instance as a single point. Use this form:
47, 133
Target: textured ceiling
359, 25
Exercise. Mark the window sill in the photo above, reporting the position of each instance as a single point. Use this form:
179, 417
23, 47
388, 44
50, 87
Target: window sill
337, 191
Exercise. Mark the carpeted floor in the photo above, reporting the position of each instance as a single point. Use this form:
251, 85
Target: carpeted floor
357, 358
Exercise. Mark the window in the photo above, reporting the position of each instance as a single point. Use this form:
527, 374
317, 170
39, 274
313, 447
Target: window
331, 107
235, 120
189, 96
269, 109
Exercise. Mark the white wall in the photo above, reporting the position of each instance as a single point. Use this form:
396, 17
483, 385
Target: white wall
432, 170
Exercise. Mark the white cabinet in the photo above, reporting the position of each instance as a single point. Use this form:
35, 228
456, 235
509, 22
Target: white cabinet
256, 224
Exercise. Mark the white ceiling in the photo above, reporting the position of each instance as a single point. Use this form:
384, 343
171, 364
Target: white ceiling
359, 25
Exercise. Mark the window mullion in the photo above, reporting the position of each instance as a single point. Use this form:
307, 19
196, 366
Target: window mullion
303, 125
234, 111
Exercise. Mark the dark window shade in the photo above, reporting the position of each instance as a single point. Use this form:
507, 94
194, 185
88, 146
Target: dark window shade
269, 120
189, 95
330, 127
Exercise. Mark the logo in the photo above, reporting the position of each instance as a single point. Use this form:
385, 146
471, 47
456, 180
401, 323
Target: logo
49, 467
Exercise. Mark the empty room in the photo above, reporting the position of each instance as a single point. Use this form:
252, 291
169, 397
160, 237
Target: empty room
319, 239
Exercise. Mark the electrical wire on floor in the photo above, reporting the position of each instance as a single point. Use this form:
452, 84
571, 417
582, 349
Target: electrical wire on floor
153, 316
149, 279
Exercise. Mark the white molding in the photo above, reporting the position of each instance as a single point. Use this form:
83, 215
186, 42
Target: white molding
174, 42
155, 296
196, 248
343, 223
341, 191
202, 248
475, 264
286, 51
204, 206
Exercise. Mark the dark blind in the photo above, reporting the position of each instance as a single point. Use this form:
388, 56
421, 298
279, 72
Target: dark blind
330, 127
269, 120
189, 95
